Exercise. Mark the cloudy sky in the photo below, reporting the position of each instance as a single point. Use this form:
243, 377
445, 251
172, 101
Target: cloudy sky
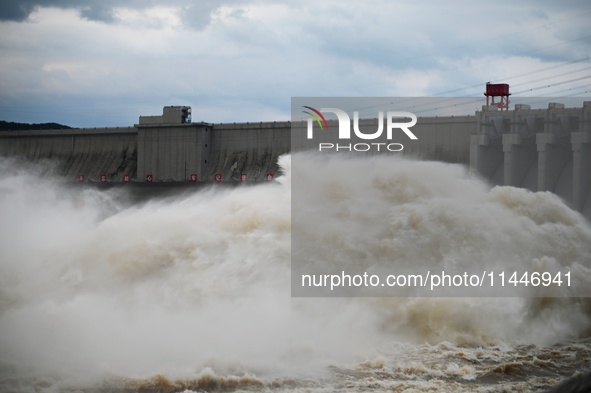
91, 63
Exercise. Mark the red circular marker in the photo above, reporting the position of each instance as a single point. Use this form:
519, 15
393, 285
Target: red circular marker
149, 178
193, 177
243, 177
269, 176
218, 177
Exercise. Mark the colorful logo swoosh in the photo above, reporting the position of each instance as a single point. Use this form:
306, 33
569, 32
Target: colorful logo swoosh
317, 116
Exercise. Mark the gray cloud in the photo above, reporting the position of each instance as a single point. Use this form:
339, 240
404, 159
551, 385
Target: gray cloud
98, 10
241, 60
16, 10
100, 13
197, 14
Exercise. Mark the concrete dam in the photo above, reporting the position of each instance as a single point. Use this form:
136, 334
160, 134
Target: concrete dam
538, 149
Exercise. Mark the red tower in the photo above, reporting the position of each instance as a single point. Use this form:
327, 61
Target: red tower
498, 90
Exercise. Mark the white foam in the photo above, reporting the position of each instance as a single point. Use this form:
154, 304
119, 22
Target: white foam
90, 287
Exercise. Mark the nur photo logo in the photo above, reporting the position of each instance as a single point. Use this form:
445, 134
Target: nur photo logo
395, 120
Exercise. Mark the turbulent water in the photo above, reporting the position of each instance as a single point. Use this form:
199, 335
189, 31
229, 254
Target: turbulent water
192, 293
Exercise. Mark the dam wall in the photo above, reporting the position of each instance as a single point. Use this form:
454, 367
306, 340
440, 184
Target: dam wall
90, 152
246, 151
445, 139
538, 149
172, 152
185, 152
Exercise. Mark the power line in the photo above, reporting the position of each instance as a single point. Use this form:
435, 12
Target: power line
553, 84
517, 76
551, 77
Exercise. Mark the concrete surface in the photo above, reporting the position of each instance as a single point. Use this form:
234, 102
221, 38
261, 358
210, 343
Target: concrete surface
542, 149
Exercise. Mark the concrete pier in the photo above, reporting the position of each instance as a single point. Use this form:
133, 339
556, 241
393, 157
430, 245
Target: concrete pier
538, 149
172, 152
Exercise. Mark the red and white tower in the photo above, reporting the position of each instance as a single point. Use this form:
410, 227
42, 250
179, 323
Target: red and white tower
498, 90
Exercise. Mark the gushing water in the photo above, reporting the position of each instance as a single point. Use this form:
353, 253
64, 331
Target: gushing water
95, 288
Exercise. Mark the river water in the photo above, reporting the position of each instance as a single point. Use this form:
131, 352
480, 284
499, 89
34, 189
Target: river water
192, 293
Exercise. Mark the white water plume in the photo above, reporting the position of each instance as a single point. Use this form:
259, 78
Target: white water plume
92, 286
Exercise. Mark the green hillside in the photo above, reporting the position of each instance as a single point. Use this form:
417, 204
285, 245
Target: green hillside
12, 126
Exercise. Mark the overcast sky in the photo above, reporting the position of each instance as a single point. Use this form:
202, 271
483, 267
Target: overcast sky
92, 63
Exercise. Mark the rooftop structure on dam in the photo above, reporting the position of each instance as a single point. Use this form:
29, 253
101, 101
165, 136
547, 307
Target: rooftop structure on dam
545, 149
170, 115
